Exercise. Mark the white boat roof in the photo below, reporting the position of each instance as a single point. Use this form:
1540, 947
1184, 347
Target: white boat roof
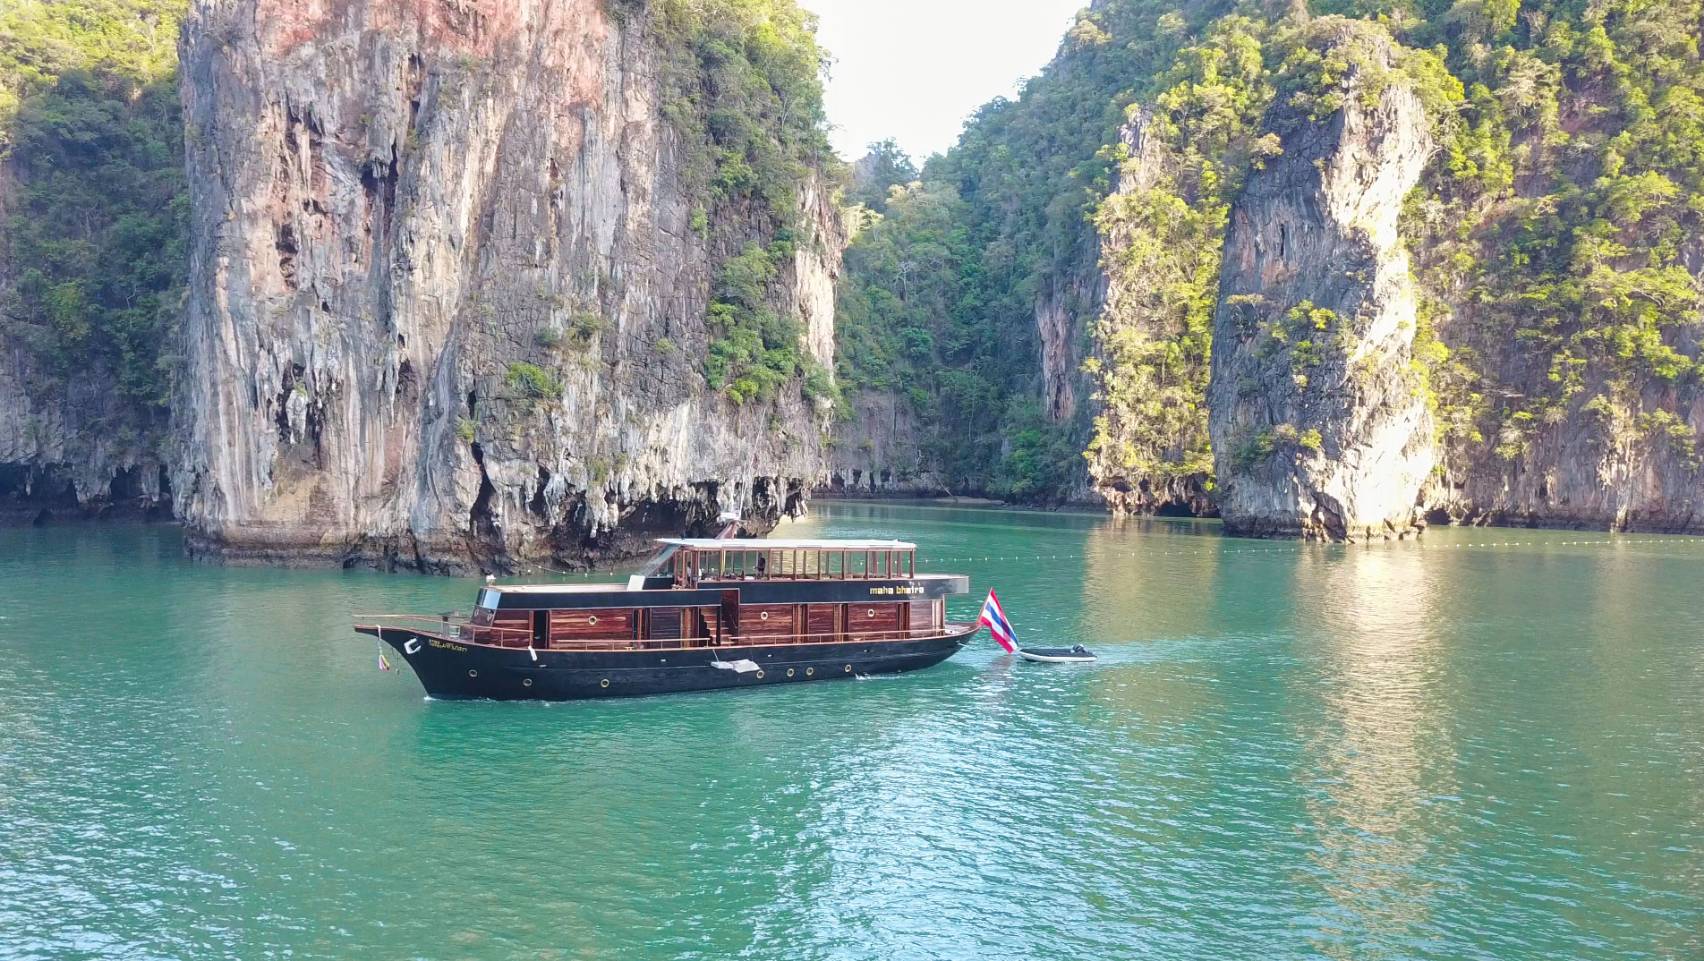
782, 544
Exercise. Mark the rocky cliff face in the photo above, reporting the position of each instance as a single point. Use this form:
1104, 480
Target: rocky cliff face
70, 447
1319, 421
1620, 455
1150, 451
1590, 416
90, 163
449, 280
1549, 354
59, 460
1061, 313
877, 452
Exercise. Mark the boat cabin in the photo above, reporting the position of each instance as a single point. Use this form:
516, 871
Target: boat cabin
691, 562
727, 591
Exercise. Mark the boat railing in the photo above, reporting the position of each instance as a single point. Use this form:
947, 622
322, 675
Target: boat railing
455, 627
465, 632
742, 640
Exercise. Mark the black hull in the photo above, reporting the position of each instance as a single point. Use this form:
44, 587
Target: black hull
450, 670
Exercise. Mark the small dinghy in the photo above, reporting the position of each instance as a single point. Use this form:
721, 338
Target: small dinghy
994, 618
1075, 654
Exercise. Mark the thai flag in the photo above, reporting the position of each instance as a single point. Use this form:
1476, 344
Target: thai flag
994, 619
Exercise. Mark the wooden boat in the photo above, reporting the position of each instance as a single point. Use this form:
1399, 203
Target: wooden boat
703, 614
1076, 654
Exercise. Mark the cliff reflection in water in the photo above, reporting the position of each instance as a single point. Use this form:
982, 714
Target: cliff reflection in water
1135, 570
1456, 749
1378, 747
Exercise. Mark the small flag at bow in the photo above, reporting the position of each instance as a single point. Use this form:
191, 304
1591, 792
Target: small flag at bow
994, 619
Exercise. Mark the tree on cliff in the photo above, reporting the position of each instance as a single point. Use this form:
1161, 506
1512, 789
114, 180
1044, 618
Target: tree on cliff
1558, 235
883, 168
93, 249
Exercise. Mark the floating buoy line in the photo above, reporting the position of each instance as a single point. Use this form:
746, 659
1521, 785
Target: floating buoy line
1297, 548
1671, 540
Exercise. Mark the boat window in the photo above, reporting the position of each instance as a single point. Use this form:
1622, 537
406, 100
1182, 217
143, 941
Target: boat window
488, 598
710, 564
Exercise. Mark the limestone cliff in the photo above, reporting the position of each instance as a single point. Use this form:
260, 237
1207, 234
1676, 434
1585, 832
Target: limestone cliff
71, 447
1618, 451
1548, 353
59, 457
451, 265
1150, 450
1574, 404
1319, 421
877, 451
91, 262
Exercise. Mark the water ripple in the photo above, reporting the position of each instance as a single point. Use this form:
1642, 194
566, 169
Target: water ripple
1412, 752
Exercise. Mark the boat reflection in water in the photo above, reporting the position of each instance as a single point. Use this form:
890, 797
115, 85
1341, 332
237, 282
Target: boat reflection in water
703, 614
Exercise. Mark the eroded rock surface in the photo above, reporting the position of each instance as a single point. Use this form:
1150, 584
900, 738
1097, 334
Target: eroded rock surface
447, 299
1319, 422
878, 451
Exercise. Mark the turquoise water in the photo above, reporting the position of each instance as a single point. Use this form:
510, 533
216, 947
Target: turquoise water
1487, 745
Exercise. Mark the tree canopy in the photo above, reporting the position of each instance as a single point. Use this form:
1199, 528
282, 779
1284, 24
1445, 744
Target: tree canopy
1551, 236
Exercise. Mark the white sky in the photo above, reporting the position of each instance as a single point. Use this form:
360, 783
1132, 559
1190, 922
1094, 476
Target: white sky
913, 70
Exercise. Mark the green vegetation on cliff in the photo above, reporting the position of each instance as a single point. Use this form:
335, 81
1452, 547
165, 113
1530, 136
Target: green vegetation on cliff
940, 294
94, 205
1195, 138
742, 86
1552, 236
885, 167
92, 194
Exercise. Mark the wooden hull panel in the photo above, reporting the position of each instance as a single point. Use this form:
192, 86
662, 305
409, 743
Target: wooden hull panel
451, 670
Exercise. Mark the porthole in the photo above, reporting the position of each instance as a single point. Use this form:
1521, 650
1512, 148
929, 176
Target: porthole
593, 619
810, 671
848, 668
604, 682
472, 673
760, 675
526, 682
789, 672
871, 612
763, 616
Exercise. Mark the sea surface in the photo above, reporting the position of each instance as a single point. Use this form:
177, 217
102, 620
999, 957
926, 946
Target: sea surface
1485, 745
